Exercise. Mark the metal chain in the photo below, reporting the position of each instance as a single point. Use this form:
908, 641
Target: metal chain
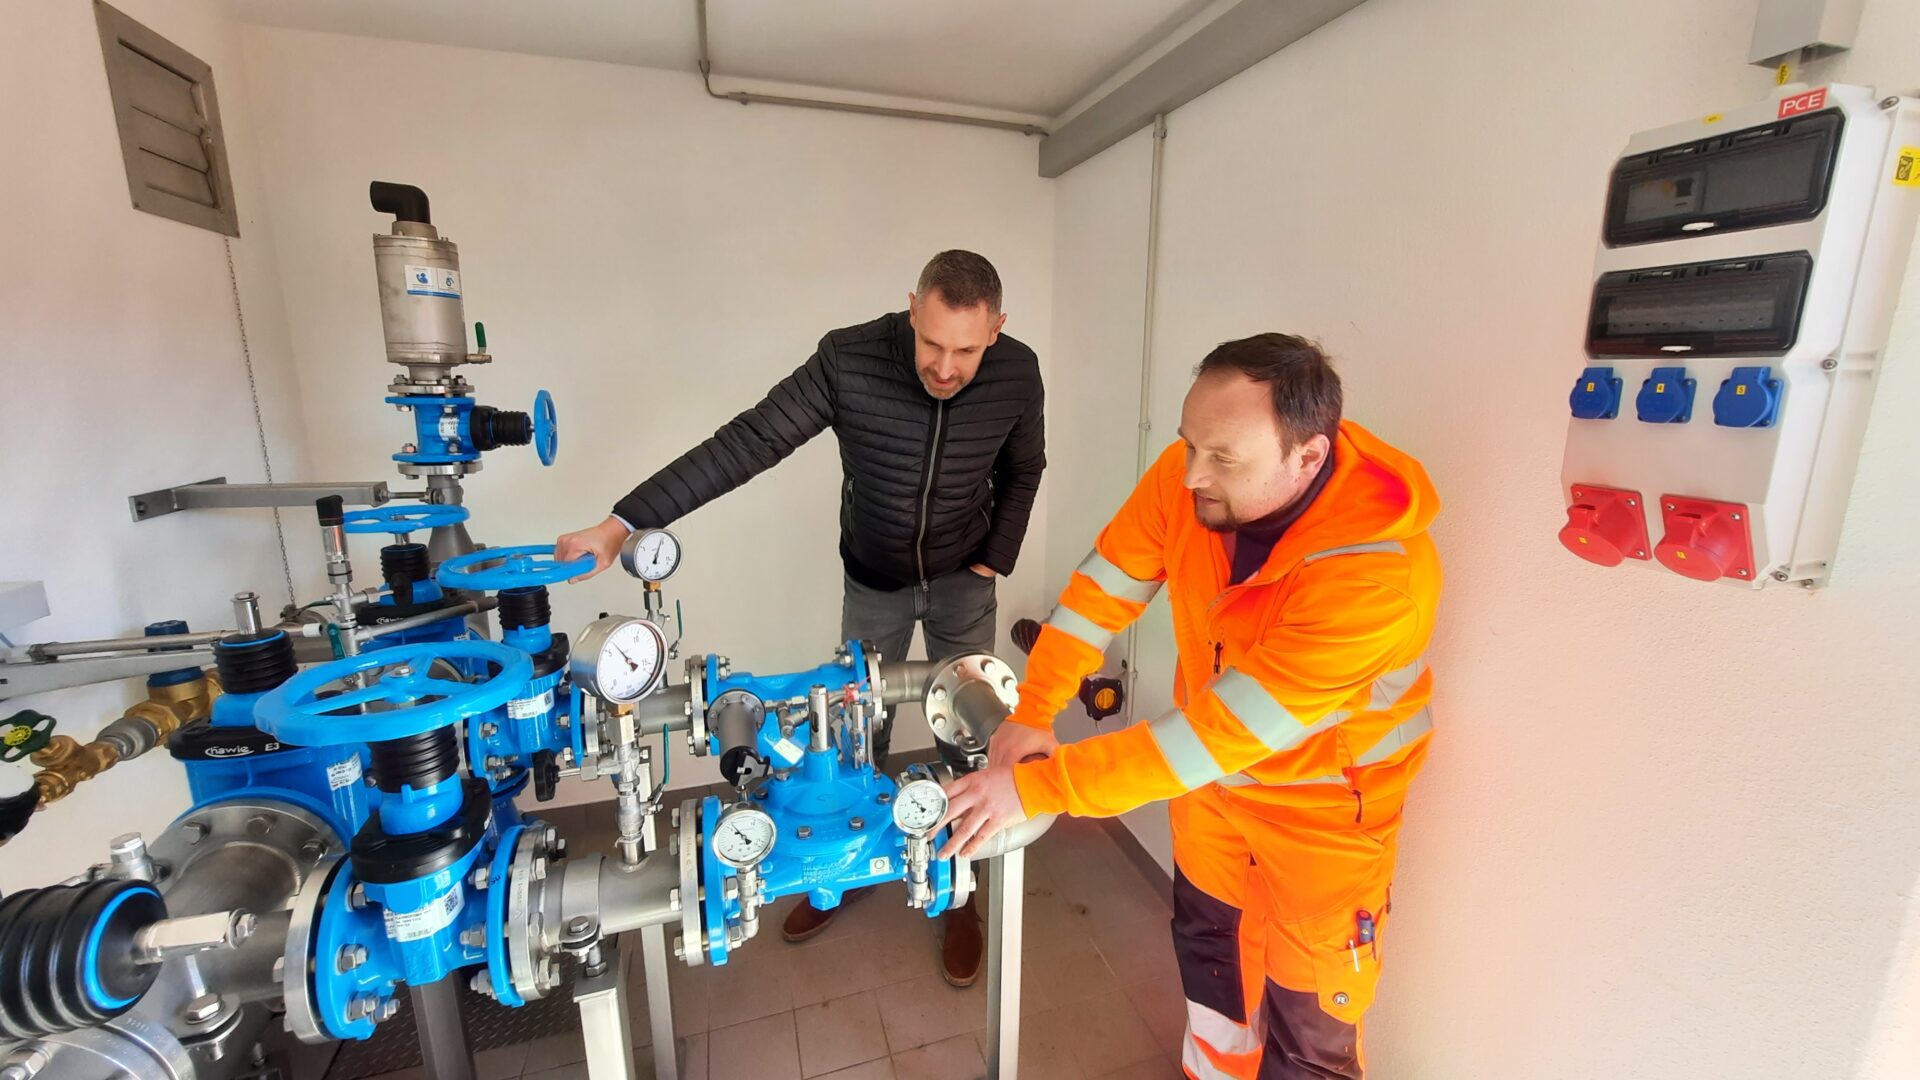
259, 422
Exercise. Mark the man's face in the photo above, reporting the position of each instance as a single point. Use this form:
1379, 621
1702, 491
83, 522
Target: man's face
1236, 468
948, 342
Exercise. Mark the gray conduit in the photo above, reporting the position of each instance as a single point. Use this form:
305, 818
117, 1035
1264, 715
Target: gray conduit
1142, 445
746, 98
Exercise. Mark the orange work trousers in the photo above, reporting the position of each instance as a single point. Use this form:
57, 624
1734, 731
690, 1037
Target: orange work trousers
1272, 903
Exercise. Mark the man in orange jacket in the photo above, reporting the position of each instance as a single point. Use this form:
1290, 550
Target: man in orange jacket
1303, 585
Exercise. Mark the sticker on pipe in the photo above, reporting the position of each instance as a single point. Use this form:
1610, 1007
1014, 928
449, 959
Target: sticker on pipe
433, 281
530, 707
437, 915
1906, 168
343, 773
789, 751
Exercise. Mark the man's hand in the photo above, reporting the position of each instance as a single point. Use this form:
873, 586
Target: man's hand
602, 541
978, 806
982, 569
1013, 743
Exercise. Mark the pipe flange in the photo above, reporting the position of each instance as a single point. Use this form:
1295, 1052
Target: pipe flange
876, 686
296, 968
697, 705
963, 882
968, 731
527, 944
455, 469
693, 938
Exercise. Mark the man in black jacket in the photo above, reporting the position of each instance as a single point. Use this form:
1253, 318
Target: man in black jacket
938, 415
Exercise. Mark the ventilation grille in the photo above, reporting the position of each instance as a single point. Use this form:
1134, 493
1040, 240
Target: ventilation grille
169, 121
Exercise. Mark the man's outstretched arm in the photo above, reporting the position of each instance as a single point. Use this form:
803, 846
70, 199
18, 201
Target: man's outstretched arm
798, 407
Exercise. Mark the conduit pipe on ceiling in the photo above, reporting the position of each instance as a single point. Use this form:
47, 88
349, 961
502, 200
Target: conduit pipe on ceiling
747, 98
1143, 443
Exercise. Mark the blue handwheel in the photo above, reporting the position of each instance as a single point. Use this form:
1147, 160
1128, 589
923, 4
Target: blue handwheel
546, 428
398, 678
401, 520
517, 568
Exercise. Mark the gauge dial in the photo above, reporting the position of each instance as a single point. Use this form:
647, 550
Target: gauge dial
620, 659
743, 837
919, 806
651, 554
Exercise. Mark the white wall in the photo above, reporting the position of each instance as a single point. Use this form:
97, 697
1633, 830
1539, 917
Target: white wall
657, 259
121, 368
1667, 831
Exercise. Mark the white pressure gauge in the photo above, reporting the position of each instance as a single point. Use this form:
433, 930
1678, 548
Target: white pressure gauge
743, 837
619, 659
651, 554
919, 806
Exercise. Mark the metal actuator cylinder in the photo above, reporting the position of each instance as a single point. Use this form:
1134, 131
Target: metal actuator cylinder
421, 313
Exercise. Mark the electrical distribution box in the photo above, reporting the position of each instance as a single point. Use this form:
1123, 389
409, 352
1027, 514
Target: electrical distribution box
1744, 285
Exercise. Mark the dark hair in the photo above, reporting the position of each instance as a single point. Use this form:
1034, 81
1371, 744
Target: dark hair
962, 279
1305, 388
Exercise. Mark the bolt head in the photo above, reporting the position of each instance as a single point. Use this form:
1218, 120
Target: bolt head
803, 831
408, 448
357, 897
489, 730
856, 824
196, 831
482, 877
481, 984
201, 1009
259, 825
1340, 999
399, 671
388, 1009
539, 868
127, 847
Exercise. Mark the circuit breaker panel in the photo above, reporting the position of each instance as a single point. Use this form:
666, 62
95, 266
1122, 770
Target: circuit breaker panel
1743, 289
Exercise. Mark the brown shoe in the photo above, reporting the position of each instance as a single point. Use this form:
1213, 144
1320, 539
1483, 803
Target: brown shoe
806, 921
961, 948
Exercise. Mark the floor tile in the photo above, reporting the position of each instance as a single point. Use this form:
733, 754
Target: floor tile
877, 1069
1139, 951
926, 1010
747, 987
839, 1033
762, 1049
575, 1071
1105, 1033
1043, 1053
1146, 1070
500, 1063
1061, 973
554, 1051
1164, 1007
957, 1058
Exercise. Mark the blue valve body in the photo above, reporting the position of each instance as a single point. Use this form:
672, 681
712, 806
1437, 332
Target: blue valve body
418, 810
403, 934
442, 429
324, 780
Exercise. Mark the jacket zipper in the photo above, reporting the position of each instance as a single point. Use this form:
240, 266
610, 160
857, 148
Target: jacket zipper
926, 492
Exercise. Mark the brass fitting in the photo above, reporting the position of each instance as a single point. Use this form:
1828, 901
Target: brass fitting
65, 762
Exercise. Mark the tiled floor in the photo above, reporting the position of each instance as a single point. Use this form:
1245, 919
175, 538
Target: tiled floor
865, 1000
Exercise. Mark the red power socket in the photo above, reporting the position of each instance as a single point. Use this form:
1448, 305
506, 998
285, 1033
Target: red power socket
1705, 540
1605, 525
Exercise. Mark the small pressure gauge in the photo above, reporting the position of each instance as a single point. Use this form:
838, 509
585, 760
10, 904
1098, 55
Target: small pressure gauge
619, 659
919, 806
651, 554
743, 837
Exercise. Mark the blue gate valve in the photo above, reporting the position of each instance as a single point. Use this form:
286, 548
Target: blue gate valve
418, 701
519, 568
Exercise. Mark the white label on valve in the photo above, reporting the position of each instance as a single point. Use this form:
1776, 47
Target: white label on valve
343, 773
527, 708
450, 427
789, 751
428, 921
433, 281
881, 865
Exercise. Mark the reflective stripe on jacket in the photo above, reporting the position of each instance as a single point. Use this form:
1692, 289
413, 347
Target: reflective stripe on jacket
1310, 672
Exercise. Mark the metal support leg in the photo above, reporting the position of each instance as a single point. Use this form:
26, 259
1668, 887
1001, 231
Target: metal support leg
1006, 894
602, 1000
653, 960
443, 1031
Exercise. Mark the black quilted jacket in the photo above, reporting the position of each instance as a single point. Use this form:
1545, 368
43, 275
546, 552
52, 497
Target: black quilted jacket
929, 486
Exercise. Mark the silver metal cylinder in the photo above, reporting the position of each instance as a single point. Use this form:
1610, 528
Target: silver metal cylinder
421, 313
246, 612
817, 705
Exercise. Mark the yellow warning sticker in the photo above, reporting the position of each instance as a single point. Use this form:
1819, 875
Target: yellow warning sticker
1740, 390
1906, 168
1713, 119
1660, 388
1590, 388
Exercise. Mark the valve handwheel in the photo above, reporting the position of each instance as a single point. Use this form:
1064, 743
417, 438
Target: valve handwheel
415, 702
402, 520
546, 428
518, 568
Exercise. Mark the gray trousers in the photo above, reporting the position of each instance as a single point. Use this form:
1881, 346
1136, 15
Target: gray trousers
957, 611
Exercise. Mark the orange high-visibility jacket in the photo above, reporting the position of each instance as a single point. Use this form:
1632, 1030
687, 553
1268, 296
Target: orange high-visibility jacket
1309, 673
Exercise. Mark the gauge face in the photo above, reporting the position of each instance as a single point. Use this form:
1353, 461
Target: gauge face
652, 555
919, 806
743, 837
620, 659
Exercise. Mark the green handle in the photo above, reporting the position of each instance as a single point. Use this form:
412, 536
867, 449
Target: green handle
23, 733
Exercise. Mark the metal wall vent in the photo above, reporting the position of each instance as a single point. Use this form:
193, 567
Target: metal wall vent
169, 121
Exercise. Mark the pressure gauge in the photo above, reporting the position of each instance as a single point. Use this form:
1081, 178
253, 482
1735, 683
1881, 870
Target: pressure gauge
619, 659
743, 837
651, 554
919, 806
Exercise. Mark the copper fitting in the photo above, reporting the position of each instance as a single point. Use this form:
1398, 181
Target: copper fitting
65, 762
